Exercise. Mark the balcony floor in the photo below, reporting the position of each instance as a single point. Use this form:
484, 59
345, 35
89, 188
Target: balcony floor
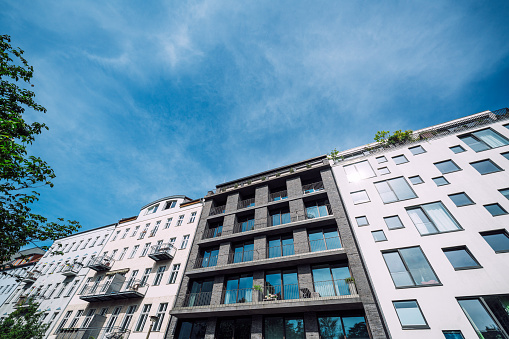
112, 296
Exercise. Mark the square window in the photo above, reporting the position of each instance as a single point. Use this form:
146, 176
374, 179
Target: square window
495, 209
400, 159
484, 139
453, 335
505, 192
457, 149
409, 267
485, 166
383, 170
461, 258
396, 189
417, 150
359, 197
393, 222
498, 240
432, 218
362, 221
415, 180
379, 236
358, 171
409, 314
447, 166
381, 159
461, 199
441, 181
506, 155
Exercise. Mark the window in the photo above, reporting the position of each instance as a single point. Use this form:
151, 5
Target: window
379, 235
161, 310
88, 318
152, 209
174, 274
135, 231
239, 289
482, 321
485, 166
432, 218
85, 285
103, 239
74, 322
495, 209
54, 290
461, 258
417, 150
457, 149
484, 139
362, 221
143, 317
396, 189
159, 275
381, 159
383, 170
144, 232
185, 240
243, 224
113, 254
64, 321
172, 241
85, 245
359, 197
73, 287
400, 159
280, 246
113, 319
133, 252
193, 217
168, 223
78, 245
415, 180
233, 328
95, 240
199, 293
216, 229
505, 192
409, 267
498, 240
145, 249
170, 204
447, 166
277, 217
154, 230
393, 222
409, 314
453, 335
70, 247
505, 155
128, 316
125, 233
331, 280
440, 181
324, 239
192, 329
242, 252
181, 219
461, 199
359, 171
209, 257
341, 327
115, 235
123, 253
145, 276
64, 285
284, 327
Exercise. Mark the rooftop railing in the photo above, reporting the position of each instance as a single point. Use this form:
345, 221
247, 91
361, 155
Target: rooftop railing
217, 210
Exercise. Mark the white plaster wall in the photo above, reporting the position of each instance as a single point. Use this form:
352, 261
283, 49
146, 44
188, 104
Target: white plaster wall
438, 303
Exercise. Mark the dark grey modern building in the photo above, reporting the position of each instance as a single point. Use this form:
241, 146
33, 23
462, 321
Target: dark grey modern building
274, 257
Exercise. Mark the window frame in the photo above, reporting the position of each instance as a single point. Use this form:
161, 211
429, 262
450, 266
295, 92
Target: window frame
479, 140
419, 147
362, 216
504, 189
411, 327
500, 169
394, 228
500, 206
465, 248
350, 179
444, 161
362, 202
387, 181
456, 146
416, 176
399, 156
466, 195
379, 170
460, 228
447, 181
493, 232
378, 231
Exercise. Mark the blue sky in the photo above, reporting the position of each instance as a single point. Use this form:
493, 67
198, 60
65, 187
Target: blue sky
149, 99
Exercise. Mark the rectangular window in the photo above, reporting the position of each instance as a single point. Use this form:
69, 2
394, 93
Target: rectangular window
170, 204
379, 235
161, 310
484, 139
172, 241
359, 171
144, 232
400, 159
193, 217
415, 180
457, 149
324, 239
159, 275
440, 181
417, 150
498, 240
77, 317
432, 218
505, 192
174, 274
85, 245
125, 233
461, 258
135, 231
383, 170
359, 197
284, 327
115, 235
453, 335
495, 209
73, 287
154, 230
239, 289
180, 220
113, 319
64, 285
381, 159
486, 166
241, 252
143, 318
447, 166
280, 246
277, 217
461, 199
145, 249
482, 321
133, 252
95, 240
409, 314
168, 223
362, 221
128, 316
152, 209
342, 327
409, 267
185, 240
145, 276
88, 318
64, 321
505, 155
123, 253
393, 222
396, 189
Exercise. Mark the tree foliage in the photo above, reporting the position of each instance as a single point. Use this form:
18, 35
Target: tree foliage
24, 323
398, 137
21, 173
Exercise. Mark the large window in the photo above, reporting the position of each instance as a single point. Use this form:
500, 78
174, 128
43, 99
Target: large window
282, 284
209, 257
279, 217
192, 329
485, 166
359, 171
332, 280
143, 317
238, 328
174, 273
461, 258
335, 327
409, 267
128, 317
482, 321
159, 275
324, 239
396, 189
245, 224
447, 166
242, 252
160, 317
409, 314
318, 208
484, 139
432, 218
200, 293
284, 327
280, 246
239, 289
498, 240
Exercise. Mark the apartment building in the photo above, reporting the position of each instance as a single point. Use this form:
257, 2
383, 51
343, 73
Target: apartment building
431, 220
15, 272
274, 257
56, 277
133, 282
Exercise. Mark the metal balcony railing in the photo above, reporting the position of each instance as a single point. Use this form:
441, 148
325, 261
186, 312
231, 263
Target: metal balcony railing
331, 243
238, 296
195, 299
213, 232
332, 288
218, 210
70, 270
280, 251
243, 226
207, 261
280, 292
101, 263
236, 257
93, 332
25, 301
111, 291
162, 252
279, 219
313, 187
246, 203
31, 276
278, 195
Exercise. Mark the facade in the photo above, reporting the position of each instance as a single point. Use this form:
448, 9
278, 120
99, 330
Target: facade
274, 257
56, 277
430, 217
133, 282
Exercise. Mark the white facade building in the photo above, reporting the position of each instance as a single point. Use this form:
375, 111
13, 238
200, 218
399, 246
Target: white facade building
431, 222
132, 284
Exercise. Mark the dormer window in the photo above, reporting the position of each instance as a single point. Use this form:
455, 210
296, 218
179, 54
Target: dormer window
152, 209
170, 204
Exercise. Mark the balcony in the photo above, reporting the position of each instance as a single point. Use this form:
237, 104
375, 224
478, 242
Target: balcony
31, 277
196, 299
102, 263
162, 252
71, 270
207, 261
280, 251
238, 296
276, 196
217, 210
243, 226
324, 244
313, 187
213, 232
131, 289
246, 203
24, 301
91, 332
236, 257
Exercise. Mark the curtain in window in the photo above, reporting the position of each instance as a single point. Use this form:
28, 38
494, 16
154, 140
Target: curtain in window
441, 218
491, 138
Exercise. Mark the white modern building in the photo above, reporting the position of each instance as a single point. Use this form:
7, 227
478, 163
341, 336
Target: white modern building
430, 218
56, 277
132, 284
